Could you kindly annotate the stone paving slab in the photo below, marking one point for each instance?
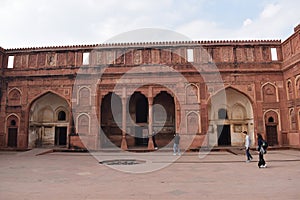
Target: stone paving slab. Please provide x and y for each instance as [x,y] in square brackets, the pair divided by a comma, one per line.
[219,175]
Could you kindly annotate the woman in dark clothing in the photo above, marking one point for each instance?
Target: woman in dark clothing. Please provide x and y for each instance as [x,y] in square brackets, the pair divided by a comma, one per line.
[261,162]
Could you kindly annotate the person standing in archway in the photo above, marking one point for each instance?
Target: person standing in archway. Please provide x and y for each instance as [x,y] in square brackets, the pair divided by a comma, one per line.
[247,146]
[176,148]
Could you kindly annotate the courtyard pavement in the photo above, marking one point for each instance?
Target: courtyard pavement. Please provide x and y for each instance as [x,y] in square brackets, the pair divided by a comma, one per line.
[208,175]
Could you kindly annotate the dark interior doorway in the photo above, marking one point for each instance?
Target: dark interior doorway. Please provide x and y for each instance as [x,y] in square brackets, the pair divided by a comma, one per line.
[224,138]
[60,135]
[272,135]
[141,110]
[12,137]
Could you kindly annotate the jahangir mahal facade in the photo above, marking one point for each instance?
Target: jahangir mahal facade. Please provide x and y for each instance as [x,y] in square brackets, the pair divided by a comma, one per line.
[136,95]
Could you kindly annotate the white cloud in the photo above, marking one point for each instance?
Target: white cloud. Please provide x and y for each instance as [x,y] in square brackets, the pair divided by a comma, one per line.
[270,10]
[247,22]
[276,21]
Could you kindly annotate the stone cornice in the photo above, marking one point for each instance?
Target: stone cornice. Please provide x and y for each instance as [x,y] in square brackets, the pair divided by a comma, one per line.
[148,45]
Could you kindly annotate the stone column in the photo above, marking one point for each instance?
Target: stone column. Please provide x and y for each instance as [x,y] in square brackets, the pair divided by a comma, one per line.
[150,126]
[99,122]
[124,120]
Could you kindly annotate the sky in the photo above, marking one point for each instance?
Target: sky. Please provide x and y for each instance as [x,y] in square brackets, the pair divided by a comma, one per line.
[39,23]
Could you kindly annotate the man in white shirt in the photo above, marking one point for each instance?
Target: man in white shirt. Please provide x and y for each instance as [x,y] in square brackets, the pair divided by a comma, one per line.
[247,146]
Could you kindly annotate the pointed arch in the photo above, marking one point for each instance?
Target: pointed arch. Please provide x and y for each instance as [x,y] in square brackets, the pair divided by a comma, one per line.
[289,89]
[193,122]
[84,96]
[61,114]
[15,89]
[221,99]
[238,112]
[14,115]
[83,125]
[14,96]
[222,91]
[269,92]
[292,118]
[45,93]
[274,113]
[192,93]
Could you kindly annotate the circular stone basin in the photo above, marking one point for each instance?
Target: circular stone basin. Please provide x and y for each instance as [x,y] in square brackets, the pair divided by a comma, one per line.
[122,162]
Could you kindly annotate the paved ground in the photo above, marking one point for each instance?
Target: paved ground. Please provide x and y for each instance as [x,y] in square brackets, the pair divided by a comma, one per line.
[218,175]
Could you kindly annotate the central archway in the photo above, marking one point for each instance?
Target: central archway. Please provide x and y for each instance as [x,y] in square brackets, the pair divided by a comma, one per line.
[138,110]
[229,119]
[137,120]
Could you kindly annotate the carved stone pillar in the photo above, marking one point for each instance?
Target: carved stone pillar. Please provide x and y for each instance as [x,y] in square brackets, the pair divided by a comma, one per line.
[150,126]
[124,120]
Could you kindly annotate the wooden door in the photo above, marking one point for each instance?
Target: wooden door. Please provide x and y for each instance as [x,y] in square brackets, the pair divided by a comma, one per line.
[12,137]
[272,135]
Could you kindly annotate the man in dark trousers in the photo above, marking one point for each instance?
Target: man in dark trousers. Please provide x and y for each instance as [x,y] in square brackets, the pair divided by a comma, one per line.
[247,146]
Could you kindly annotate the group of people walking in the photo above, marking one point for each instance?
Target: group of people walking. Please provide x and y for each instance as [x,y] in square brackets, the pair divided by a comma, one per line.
[262,149]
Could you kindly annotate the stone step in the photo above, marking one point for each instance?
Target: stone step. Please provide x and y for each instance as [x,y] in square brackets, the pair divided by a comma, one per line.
[36,152]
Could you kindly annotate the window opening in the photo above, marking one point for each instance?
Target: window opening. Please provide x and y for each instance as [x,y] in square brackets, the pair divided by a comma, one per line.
[190,55]
[274,54]
[10,64]
[61,116]
[271,119]
[86,58]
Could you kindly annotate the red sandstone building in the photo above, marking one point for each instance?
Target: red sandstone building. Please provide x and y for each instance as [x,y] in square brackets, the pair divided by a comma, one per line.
[100,96]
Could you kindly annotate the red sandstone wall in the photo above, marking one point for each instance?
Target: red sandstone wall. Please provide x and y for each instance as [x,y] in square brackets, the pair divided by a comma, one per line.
[244,65]
[291,72]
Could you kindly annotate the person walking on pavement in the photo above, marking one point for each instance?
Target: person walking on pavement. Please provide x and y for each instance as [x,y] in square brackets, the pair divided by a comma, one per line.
[261,151]
[247,146]
[176,148]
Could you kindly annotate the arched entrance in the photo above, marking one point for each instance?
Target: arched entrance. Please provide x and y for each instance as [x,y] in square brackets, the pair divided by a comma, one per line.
[48,121]
[111,119]
[228,119]
[12,124]
[138,110]
[163,118]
